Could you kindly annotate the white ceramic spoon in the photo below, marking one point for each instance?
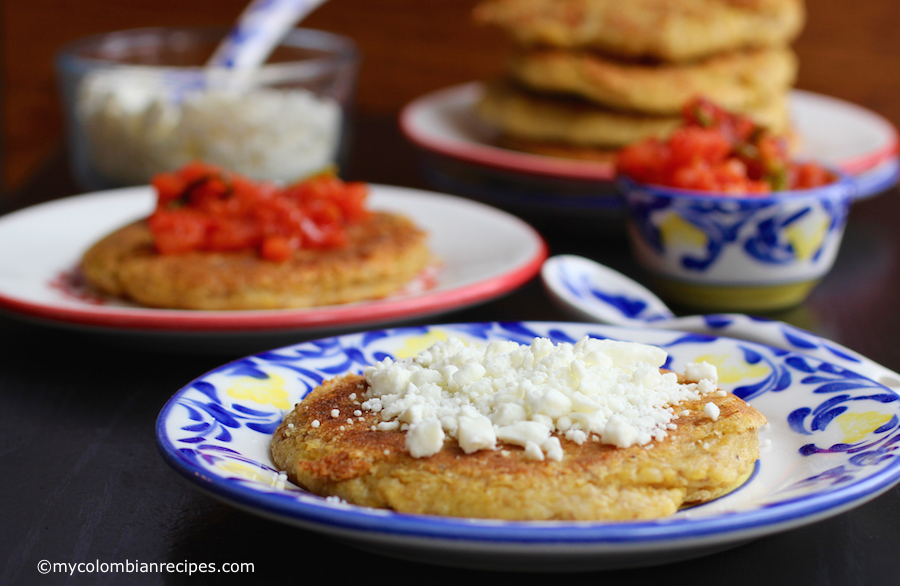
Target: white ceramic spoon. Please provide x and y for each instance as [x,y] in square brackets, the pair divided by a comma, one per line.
[598,293]
[260,27]
[258,30]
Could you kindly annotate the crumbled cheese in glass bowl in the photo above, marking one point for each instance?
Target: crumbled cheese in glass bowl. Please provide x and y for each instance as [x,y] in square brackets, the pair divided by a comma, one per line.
[140,102]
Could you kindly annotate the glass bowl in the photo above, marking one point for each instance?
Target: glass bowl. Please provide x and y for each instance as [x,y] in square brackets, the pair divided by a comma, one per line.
[725,252]
[139,102]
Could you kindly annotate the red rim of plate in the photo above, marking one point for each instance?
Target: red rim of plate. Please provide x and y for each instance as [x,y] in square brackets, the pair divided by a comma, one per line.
[495,157]
[287,319]
[419,304]
[867,161]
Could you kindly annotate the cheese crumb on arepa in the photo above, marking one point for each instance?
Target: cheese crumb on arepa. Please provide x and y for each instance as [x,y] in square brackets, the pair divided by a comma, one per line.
[522,394]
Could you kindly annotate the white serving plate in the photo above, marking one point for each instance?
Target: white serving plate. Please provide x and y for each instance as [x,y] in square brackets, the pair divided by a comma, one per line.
[482,252]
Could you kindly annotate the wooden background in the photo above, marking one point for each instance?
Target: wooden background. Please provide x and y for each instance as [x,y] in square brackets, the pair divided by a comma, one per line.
[849,50]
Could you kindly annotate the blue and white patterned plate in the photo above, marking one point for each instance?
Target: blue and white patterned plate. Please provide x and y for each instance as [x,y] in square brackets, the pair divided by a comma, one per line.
[830,445]
[594,292]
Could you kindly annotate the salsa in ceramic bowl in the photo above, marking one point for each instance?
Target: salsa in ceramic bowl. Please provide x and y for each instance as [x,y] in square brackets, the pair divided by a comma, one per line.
[724,220]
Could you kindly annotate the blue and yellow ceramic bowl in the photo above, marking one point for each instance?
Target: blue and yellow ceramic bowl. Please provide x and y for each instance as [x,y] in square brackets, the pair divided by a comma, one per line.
[736,253]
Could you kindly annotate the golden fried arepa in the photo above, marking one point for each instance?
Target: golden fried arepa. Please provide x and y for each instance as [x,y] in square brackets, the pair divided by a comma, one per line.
[529,117]
[343,456]
[739,81]
[384,253]
[668,30]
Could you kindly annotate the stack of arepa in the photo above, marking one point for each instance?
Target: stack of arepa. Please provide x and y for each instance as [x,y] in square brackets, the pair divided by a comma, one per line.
[589,76]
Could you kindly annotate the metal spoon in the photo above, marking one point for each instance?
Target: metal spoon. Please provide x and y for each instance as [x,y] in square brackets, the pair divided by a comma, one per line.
[595,292]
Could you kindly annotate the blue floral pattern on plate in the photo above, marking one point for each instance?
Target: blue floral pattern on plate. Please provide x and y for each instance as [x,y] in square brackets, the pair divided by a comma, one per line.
[831,444]
[757,226]
[599,293]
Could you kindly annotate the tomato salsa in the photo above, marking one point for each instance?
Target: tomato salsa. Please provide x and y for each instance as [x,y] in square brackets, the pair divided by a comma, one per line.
[715,150]
[205,208]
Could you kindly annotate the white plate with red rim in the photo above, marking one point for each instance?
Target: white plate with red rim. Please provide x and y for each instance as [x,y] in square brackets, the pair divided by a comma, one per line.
[832,131]
[482,253]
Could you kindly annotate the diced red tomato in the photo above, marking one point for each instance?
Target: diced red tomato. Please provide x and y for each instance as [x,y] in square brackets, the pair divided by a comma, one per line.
[168,188]
[718,151]
[692,143]
[277,248]
[176,232]
[232,234]
[643,161]
[809,175]
[202,207]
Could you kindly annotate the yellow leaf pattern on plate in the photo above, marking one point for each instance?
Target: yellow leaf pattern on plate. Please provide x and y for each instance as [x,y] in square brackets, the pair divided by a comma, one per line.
[244,471]
[267,391]
[805,238]
[676,231]
[732,370]
[856,426]
[416,344]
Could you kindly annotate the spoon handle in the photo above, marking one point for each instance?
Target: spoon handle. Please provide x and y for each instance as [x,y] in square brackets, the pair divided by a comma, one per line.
[261,26]
[785,336]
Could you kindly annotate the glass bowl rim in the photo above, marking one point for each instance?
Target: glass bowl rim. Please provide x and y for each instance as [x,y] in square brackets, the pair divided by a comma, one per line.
[341,50]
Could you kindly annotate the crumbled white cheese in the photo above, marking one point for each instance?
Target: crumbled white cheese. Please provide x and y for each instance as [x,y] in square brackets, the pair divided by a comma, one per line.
[711,410]
[697,371]
[425,438]
[315,423]
[522,432]
[475,433]
[533,451]
[137,126]
[279,480]
[553,448]
[575,435]
[522,394]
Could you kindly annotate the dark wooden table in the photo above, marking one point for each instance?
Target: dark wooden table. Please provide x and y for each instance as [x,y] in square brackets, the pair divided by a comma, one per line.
[82,480]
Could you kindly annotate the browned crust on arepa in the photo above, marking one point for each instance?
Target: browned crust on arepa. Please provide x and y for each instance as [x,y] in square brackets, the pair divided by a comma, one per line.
[385,252]
[739,81]
[529,117]
[669,30]
[700,460]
